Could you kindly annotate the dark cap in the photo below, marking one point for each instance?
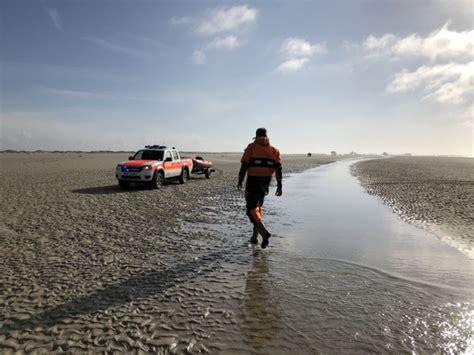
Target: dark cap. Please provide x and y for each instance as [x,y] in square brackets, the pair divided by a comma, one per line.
[261,132]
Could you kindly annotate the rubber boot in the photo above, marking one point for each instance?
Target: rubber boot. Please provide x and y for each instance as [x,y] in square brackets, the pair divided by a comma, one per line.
[264,233]
[254,239]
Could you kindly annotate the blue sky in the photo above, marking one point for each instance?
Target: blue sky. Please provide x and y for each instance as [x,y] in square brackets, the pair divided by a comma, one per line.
[368,76]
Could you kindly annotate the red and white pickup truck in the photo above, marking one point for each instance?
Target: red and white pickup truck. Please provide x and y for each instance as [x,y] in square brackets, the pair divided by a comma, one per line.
[153,165]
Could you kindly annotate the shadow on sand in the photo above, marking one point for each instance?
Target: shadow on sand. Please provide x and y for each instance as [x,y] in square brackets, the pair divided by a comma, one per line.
[143,285]
[114,189]
[110,189]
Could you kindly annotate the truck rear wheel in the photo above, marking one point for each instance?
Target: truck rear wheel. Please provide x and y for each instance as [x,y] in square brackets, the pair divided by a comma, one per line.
[158,180]
[184,176]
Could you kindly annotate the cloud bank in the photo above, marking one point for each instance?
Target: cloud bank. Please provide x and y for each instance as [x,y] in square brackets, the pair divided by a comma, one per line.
[439,44]
[447,73]
[449,83]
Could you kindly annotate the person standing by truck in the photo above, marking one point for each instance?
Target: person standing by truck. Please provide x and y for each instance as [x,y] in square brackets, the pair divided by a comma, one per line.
[260,161]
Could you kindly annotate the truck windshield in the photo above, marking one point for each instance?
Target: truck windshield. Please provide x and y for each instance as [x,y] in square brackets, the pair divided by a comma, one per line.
[148,155]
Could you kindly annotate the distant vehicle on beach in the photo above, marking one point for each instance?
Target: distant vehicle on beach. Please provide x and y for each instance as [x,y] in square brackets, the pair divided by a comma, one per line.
[152,166]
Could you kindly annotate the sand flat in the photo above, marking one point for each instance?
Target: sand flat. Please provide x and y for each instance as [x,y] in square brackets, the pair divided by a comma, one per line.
[88,267]
[435,193]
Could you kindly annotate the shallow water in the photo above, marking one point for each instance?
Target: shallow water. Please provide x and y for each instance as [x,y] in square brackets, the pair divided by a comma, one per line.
[344,273]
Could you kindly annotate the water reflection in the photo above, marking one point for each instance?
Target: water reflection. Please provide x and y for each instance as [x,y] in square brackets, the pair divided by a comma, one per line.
[261,313]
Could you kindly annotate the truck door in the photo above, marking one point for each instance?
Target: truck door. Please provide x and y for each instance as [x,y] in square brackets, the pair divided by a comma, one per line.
[168,165]
[176,163]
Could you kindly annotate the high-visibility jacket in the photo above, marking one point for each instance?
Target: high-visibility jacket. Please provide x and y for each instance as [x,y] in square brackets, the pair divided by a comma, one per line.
[262,158]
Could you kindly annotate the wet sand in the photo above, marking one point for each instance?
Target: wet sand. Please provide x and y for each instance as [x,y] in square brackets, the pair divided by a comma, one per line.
[435,193]
[88,267]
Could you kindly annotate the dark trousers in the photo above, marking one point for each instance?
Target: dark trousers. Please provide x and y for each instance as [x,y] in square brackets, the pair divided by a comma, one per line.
[256,189]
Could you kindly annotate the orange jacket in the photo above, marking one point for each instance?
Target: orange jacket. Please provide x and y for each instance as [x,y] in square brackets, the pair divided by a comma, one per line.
[262,158]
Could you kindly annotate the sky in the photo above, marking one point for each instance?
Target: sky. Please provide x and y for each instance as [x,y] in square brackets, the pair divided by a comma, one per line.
[348,75]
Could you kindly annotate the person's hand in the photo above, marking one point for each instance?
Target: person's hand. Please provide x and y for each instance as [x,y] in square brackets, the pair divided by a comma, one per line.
[279,191]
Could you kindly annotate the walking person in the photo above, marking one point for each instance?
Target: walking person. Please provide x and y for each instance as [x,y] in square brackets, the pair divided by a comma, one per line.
[260,161]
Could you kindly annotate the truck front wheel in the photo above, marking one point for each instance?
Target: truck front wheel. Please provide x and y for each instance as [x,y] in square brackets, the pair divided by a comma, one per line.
[158,180]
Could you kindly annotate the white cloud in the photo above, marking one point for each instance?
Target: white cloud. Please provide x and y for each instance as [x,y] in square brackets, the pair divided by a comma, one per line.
[55,17]
[228,42]
[448,72]
[226,19]
[199,56]
[379,46]
[75,94]
[217,22]
[439,44]
[298,47]
[448,83]
[297,52]
[292,65]
[114,47]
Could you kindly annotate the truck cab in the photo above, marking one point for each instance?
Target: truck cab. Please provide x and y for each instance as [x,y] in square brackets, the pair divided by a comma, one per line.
[172,163]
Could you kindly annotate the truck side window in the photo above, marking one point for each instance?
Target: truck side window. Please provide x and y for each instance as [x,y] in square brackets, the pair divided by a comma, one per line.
[175,155]
[138,155]
[167,155]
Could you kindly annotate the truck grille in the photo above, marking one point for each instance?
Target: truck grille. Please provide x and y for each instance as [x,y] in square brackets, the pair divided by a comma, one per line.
[132,169]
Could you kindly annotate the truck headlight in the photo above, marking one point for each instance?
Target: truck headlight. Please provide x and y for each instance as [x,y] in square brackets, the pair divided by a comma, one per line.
[146,167]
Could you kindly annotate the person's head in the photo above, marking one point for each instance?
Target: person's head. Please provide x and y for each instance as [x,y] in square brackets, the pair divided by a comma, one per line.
[261,132]
[261,136]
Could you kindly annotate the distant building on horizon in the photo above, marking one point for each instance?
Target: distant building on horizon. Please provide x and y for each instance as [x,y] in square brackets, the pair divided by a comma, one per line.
[333,153]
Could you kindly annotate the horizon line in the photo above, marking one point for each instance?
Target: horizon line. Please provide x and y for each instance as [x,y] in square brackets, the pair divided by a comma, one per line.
[16,151]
